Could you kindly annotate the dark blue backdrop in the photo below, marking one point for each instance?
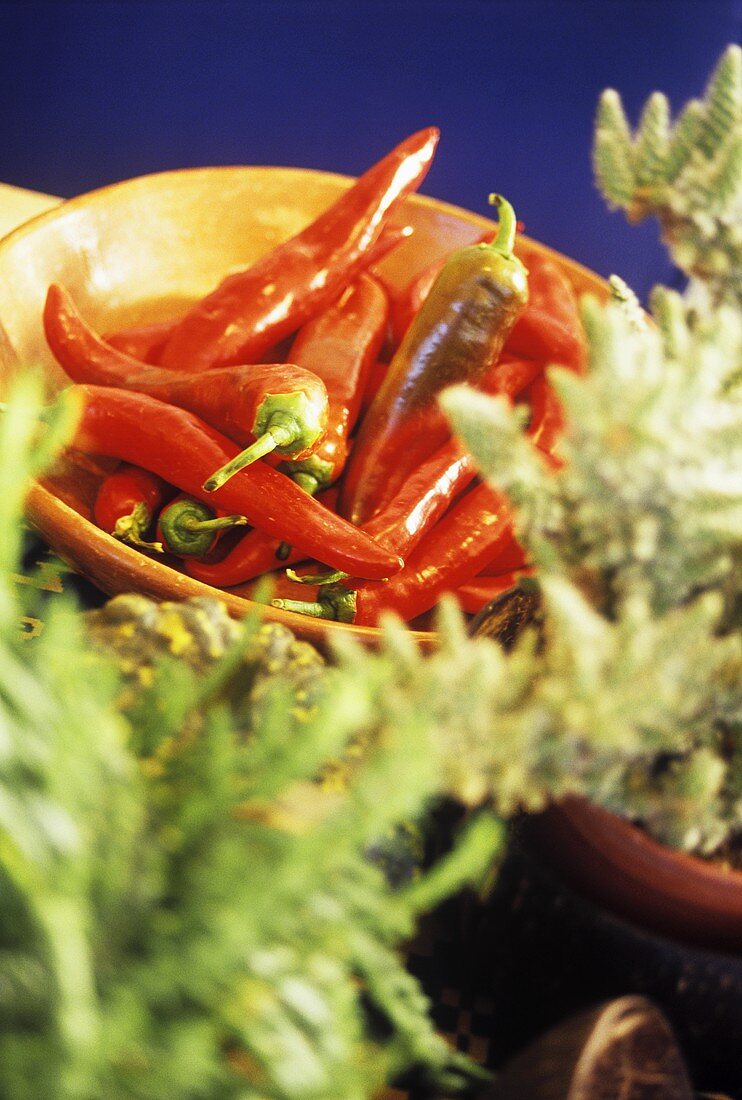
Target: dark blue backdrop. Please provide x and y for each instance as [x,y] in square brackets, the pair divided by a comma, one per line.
[92,92]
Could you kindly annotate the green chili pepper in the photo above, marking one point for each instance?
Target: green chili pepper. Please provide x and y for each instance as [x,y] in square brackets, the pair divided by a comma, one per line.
[456,337]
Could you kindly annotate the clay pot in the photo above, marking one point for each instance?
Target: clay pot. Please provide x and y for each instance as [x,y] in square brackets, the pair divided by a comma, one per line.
[619,866]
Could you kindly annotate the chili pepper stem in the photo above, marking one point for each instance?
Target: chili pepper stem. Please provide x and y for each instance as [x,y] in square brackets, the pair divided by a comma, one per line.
[128,529]
[219,523]
[188,527]
[313,608]
[506,225]
[282,432]
[124,534]
[337,603]
[317,578]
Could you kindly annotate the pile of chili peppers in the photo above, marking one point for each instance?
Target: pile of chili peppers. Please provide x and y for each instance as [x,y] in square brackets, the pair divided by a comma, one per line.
[291,416]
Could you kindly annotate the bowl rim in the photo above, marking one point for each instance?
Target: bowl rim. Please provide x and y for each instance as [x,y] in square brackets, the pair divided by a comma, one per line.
[46,511]
[622,866]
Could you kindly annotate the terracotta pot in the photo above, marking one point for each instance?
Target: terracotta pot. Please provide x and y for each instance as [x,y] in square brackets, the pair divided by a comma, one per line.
[627,872]
[140,251]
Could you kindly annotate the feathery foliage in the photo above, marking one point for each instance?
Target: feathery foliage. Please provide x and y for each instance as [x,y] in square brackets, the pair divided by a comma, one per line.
[687,174]
[186,911]
[638,537]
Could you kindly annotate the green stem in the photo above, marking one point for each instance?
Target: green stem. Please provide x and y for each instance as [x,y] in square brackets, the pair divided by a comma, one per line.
[280,433]
[313,608]
[188,527]
[317,578]
[219,523]
[507,225]
[131,528]
[336,603]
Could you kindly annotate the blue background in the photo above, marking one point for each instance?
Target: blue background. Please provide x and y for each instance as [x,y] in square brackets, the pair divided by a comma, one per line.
[93,92]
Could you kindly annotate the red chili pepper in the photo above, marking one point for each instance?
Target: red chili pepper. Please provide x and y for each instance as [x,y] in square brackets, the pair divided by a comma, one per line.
[547,417]
[473,595]
[422,500]
[430,489]
[253,309]
[510,377]
[256,553]
[181,448]
[339,345]
[283,405]
[188,527]
[142,342]
[549,328]
[507,560]
[453,552]
[456,337]
[146,342]
[127,502]
[376,375]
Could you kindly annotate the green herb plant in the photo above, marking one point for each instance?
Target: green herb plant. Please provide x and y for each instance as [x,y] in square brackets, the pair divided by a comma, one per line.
[638,538]
[186,908]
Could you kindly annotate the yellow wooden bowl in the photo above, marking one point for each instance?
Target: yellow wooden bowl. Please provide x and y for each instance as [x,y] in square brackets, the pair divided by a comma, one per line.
[142,250]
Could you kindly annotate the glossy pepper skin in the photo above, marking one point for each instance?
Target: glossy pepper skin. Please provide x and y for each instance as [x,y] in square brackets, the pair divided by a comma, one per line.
[339,345]
[146,342]
[549,328]
[439,479]
[547,419]
[473,595]
[253,309]
[456,337]
[242,402]
[406,303]
[142,342]
[453,552]
[182,449]
[126,504]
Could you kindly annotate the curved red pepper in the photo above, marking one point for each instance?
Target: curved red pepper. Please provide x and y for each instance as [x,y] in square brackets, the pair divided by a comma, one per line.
[142,342]
[253,309]
[508,559]
[182,449]
[376,375]
[242,402]
[339,345]
[547,417]
[473,595]
[454,551]
[147,341]
[549,328]
[422,500]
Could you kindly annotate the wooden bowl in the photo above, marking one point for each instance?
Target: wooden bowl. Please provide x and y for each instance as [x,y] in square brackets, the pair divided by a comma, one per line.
[142,250]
